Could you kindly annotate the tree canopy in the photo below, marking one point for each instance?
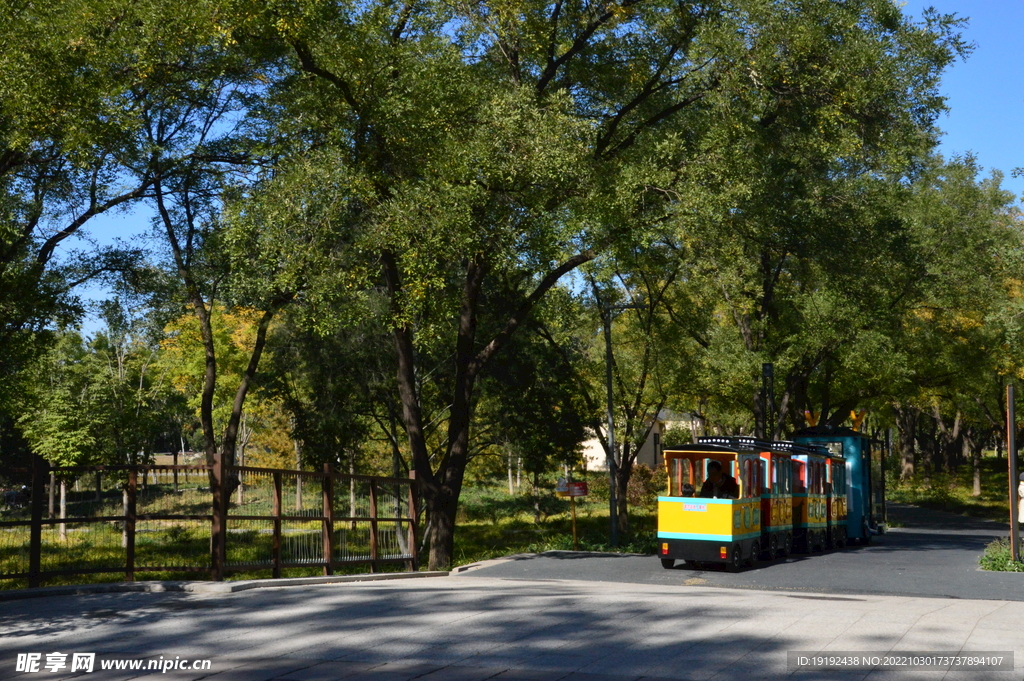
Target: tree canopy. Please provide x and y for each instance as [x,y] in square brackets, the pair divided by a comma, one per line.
[392,233]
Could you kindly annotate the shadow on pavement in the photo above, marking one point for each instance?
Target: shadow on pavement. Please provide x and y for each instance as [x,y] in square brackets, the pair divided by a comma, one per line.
[932,554]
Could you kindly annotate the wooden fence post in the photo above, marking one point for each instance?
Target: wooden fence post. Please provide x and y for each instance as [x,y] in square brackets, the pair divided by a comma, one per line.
[40,472]
[129,525]
[373,526]
[175,472]
[413,564]
[277,523]
[218,527]
[328,490]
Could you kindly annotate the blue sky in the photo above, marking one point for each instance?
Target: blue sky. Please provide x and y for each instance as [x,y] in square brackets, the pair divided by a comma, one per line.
[985,95]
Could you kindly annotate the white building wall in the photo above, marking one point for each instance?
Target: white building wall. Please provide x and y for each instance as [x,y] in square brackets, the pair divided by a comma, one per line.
[651,451]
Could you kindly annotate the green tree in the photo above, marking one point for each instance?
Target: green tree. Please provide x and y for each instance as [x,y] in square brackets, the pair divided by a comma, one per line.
[492,147]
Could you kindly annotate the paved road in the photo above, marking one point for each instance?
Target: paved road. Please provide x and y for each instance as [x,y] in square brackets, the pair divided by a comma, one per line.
[932,554]
[564,617]
[471,629]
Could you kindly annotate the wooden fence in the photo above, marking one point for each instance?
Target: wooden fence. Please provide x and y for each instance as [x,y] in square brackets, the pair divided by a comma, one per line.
[160,518]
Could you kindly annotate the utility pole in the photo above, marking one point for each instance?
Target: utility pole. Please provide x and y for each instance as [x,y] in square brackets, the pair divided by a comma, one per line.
[1011,458]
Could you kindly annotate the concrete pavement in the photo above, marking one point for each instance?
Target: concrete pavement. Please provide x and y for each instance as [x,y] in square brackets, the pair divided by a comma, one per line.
[470,628]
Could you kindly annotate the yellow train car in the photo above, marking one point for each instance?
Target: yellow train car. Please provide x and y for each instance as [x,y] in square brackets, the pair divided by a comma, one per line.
[810,503]
[776,503]
[835,492]
[712,508]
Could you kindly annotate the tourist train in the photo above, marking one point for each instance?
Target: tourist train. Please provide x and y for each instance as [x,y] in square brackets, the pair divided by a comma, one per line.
[739,500]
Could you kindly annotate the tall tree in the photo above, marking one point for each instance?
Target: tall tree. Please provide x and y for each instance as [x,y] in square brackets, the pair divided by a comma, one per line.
[488,145]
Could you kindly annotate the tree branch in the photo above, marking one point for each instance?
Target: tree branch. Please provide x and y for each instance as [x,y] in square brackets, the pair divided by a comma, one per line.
[520,315]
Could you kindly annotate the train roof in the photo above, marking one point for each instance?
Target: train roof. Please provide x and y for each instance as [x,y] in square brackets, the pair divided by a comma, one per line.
[734,444]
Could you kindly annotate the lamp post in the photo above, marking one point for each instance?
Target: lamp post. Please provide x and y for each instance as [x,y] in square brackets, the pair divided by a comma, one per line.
[612,463]
[767,401]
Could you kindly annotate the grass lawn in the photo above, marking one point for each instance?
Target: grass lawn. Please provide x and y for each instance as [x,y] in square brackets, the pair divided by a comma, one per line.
[953,492]
[492,523]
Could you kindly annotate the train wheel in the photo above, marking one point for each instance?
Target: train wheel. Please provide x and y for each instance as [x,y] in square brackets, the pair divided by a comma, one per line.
[668,563]
[787,544]
[735,559]
[841,539]
[755,554]
[813,542]
[773,547]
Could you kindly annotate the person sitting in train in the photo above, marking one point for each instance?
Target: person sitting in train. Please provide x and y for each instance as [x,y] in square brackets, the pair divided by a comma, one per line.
[719,485]
[687,490]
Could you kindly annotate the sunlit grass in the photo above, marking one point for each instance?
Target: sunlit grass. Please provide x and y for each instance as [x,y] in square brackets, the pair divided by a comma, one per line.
[492,523]
[953,492]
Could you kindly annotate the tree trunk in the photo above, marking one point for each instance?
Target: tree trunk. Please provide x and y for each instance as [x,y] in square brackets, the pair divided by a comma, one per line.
[536,498]
[511,490]
[203,310]
[440,489]
[622,475]
[906,424]
[63,510]
[976,465]
[442,508]
[124,512]
[352,490]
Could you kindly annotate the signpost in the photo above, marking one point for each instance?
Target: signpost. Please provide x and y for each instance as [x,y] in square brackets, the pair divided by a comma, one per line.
[571,489]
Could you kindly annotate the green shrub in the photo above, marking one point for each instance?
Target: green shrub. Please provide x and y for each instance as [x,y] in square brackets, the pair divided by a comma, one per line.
[645,484]
[997,558]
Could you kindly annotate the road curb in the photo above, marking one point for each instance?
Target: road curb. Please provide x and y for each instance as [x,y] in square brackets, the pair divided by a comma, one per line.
[206,587]
[462,569]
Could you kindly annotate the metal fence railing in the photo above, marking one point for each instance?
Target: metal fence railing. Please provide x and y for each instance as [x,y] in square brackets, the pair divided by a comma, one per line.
[215,519]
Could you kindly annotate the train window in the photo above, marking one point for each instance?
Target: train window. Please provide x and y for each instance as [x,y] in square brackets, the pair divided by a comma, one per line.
[763,475]
[749,479]
[799,481]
